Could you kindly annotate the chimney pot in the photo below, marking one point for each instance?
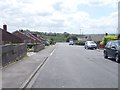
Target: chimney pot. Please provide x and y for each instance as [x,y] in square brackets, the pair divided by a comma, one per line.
[5,27]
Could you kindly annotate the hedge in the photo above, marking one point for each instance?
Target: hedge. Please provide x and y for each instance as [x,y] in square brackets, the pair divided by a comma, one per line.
[107,39]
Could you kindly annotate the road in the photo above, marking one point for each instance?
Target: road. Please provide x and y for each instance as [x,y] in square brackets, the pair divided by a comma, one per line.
[74,67]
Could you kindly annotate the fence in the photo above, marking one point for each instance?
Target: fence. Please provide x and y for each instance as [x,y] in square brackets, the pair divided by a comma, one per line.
[11,53]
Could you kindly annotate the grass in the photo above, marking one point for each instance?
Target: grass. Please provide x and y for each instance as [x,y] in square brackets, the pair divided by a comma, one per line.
[57,38]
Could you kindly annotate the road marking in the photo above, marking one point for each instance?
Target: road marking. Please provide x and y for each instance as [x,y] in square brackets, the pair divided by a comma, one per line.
[30,81]
[52,52]
[30,84]
[26,83]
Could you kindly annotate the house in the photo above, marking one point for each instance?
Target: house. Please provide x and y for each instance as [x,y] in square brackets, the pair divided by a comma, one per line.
[7,37]
[37,40]
[39,37]
[28,37]
[96,38]
[25,38]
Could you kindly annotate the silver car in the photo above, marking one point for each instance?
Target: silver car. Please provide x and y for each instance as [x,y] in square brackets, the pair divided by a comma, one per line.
[90,45]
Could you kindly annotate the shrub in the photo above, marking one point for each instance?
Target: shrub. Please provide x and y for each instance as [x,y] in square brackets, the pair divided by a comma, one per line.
[79,43]
[107,39]
[74,38]
[101,43]
[30,45]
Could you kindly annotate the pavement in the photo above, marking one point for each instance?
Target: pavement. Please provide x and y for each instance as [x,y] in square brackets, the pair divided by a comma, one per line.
[19,73]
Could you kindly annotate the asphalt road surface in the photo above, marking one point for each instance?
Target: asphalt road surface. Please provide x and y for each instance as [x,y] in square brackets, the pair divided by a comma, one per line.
[75,67]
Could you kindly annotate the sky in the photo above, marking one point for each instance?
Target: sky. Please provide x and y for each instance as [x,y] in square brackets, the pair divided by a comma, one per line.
[72,16]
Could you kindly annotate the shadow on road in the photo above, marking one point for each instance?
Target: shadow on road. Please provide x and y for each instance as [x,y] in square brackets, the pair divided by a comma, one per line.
[112,59]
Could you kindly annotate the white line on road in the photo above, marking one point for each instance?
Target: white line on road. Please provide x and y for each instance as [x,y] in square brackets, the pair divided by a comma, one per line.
[52,52]
[30,81]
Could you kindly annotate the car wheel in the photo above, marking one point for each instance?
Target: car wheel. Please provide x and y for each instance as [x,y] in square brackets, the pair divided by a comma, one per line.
[105,55]
[94,48]
[87,47]
[117,59]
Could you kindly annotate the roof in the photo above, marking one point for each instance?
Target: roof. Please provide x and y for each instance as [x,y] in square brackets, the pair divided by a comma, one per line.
[32,36]
[9,37]
[27,35]
[96,37]
[23,36]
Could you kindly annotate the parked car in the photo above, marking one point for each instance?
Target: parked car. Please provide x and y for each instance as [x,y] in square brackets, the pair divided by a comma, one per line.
[46,43]
[90,45]
[112,49]
[71,42]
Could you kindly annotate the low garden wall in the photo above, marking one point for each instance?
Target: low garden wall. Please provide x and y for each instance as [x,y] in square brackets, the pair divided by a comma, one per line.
[11,53]
[38,47]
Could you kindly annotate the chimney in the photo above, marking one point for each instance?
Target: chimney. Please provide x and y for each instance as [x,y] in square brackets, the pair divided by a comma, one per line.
[21,30]
[35,34]
[5,27]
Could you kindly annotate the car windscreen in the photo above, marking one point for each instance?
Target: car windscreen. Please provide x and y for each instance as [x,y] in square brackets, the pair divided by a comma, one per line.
[92,42]
[117,43]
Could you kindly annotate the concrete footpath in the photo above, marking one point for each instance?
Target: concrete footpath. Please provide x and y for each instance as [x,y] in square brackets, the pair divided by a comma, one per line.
[16,74]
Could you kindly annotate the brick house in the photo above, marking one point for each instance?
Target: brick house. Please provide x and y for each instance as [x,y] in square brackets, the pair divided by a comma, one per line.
[25,38]
[28,37]
[96,38]
[7,37]
[37,40]
[39,37]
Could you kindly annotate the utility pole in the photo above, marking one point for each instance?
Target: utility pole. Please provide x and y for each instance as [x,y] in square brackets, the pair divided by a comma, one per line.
[80,31]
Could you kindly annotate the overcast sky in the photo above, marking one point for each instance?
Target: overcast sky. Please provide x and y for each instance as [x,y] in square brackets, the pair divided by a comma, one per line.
[91,16]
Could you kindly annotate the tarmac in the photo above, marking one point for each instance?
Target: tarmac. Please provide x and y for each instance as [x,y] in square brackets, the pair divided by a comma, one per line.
[18,74]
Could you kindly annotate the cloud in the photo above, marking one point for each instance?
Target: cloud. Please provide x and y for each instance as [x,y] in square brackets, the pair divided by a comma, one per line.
[57,15]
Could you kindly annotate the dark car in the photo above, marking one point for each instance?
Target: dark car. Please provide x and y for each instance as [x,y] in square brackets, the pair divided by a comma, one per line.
[112,49]
[46,43]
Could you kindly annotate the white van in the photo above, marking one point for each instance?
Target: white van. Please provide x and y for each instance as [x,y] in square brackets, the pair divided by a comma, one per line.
[71,42]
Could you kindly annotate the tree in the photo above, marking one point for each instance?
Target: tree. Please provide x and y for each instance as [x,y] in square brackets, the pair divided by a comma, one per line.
[66,34]
[74,38]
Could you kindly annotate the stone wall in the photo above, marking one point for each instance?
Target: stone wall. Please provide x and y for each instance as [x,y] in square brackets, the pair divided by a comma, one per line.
[0,56]
[0,37]
[38,47]
[11,53]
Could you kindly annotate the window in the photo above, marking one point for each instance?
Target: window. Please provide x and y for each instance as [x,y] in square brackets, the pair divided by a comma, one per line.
[108,45]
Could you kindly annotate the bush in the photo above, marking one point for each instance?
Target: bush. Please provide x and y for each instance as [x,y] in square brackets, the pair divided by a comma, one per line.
[30,45]
[102,43]
[74,38]
[79,43]
[108,38]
